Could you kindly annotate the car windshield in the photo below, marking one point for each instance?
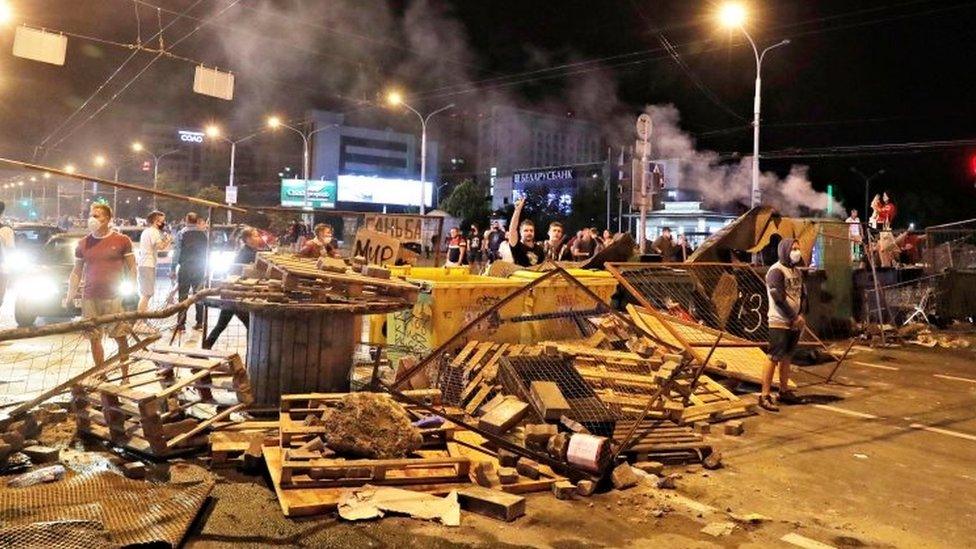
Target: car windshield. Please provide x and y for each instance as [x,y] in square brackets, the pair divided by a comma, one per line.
[60,251]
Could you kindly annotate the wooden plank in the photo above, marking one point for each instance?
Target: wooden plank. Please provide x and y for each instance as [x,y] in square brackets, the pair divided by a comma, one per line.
[462,356]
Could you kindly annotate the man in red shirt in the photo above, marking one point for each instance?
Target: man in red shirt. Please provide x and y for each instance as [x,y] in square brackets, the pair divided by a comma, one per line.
[101,259]
[322,245]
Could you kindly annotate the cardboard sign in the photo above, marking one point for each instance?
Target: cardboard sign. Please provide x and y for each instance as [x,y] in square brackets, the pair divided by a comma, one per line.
[376,247]
[402,228]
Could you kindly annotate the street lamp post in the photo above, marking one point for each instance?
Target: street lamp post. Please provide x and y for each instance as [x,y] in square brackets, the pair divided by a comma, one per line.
[396,99]
[214,133]
[734,16]
[101,161]
[275,122]
[138,147]
[867,187]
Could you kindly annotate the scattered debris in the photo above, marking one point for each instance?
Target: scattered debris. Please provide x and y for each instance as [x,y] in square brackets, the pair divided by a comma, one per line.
[370,425]
[563,489]
[713,460]
[734,428]
[370,502]
[652,467]
[718,529]
[585,488]
[623,477]
[491,503]
[38,476]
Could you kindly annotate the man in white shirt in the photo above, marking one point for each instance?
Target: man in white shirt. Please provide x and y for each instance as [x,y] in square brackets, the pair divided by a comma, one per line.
[7,241]
[151,240]
[854,230]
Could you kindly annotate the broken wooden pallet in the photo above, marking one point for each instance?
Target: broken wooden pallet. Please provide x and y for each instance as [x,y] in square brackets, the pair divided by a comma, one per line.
[304,470]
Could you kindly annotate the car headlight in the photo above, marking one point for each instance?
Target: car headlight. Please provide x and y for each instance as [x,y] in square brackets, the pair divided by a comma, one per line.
[221,261]
[37,288]
[127,288]
[17,261]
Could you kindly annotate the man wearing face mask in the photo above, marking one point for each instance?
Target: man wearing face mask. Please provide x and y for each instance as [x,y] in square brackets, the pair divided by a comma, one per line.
[322,245]
[787,300]
[151,240]
[102,258]
[251,244]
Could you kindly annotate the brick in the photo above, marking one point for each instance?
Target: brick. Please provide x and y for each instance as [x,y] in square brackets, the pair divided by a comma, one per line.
[484,474]
[537,435]
[623,477]
[702,427]
[504,417]
[507,475]
[42,454]
[573,425]
[651,467]
[528,468]
[558,445]
[713,461]
[331,264]
[134,470]
[491,503]
[507,458]
[585,488]
[376,271]
[563,489]
[549,400]
[734,428]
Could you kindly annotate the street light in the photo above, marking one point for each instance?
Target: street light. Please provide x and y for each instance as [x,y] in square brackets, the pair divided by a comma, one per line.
[213,132]
[733,16]
[101,161]
[275,122]
[395,99]
[6,12]
[139,148]
[867,187]
[69,168]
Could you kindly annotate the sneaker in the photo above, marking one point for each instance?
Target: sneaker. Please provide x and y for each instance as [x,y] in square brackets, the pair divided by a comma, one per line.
[766,403]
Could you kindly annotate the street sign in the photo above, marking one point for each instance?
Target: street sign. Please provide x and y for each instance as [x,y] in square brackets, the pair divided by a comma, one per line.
[230,195]
[40,45]
[644,126]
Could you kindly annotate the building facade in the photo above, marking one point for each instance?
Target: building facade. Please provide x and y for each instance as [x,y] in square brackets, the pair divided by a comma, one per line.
[519,148]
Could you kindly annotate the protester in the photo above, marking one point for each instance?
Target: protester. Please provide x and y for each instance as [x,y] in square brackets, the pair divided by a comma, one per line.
[555,248]
[474,245]
[323,245]
[595,235]
[526,252]
[664,246]
[493,239]
[584,247]
[787,300]
[682,249]
[151,241]
[607,237]
[886,214]
[7,243]
[190,266]
[854,232]
[456,248]
[251,244]
[102,258]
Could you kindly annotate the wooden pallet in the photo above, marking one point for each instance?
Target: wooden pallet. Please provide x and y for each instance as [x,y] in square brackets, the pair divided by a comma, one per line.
[302,273]
[305,470]
[167,400]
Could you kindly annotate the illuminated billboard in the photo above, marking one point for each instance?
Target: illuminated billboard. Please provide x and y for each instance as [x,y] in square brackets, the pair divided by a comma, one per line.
[382,190]
[321,194]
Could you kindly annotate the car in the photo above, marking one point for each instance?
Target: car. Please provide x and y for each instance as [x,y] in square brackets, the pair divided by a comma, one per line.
[41,288]
[164,258]
[28,239]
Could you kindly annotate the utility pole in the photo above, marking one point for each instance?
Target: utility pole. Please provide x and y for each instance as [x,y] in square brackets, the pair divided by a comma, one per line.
[644,129]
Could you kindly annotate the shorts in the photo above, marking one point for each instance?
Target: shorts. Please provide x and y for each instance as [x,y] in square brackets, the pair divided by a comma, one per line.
[147,281]
[91,308]
[782,343]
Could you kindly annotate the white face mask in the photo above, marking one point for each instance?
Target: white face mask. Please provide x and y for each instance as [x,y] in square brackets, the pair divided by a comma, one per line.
[795,256]
[94,224]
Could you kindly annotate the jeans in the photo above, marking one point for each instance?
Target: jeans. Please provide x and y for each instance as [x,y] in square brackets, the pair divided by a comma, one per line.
[190,280]
[222,321]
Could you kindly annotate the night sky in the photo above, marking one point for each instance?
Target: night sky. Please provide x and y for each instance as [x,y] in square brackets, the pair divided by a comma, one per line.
[856,73]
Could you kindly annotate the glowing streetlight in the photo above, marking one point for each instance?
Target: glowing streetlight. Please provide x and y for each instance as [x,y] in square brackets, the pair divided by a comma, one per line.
[394,98]
[212,131]
[99,160]
[20,183]
[732,15]
[33,179]
[274,122]
[69,168]
[137,147]
[47,175]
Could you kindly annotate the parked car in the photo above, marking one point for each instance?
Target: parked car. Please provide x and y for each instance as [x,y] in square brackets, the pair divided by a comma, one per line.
[42,286]
[164,258]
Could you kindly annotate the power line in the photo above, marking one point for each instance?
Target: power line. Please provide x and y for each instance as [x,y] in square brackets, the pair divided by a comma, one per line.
[910,147]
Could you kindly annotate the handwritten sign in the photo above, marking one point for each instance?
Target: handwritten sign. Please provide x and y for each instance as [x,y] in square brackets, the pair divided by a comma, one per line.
[402,228]
[378,248]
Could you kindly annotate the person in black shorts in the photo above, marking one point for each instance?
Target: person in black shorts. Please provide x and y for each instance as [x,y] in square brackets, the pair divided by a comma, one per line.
[787,301]
[526,252]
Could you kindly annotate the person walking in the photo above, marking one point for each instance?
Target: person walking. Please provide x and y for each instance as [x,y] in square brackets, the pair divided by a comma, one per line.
[151,241]
[251,244]
[190,267]
[102,259]
[787,301]
[664,246]
[7,244]
[526,252]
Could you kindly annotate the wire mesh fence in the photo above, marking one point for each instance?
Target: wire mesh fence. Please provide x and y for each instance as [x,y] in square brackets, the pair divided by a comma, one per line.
[905,302]
[951,246]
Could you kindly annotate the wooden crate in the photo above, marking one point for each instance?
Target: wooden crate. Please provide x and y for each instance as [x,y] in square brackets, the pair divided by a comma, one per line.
[165,402]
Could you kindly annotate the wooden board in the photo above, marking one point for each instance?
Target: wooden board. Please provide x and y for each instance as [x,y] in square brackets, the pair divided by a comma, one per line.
[469,444]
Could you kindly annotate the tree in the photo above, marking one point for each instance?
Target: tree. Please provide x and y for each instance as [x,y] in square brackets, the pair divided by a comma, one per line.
[212,193]
[468,202]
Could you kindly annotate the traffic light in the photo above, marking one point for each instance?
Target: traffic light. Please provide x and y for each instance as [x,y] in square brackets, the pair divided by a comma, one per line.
[972,165]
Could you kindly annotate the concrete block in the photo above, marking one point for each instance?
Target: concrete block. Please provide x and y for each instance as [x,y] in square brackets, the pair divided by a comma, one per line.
[585,488]
[651,467]
[507,458]
[537,435]
[42,454]
[503,417]
[563,489]
[491,503]
[548,399]
[734,428]
[508,475]
[702,427]
[376,272]
[528,468]
[623,477]
[713,461]
[484,474]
